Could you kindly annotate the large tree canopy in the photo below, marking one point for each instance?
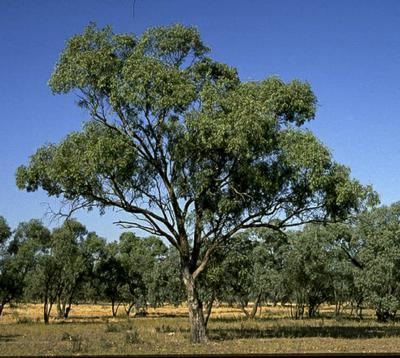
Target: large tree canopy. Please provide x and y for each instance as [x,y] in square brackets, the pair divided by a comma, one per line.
[180,142]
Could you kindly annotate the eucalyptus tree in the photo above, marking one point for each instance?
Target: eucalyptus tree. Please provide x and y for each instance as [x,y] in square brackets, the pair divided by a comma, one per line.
[166,285]
[109,277]
[137,257]
[246,269]
[10,286]
[306,277]
[134,261]
[94,249]
[58,266]
[43,283]
[231,275]
[341,275]
[188,150]
[345,265]
[31,244]
[378,231]
[11,281]
[5,231]
[269,263]
[66,247]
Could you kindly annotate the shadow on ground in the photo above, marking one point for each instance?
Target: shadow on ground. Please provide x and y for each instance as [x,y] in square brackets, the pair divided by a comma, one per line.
[302,332]
[9,338]
[239,318]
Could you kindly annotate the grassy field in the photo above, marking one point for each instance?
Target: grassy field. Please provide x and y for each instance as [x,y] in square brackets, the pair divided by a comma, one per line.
[92,330]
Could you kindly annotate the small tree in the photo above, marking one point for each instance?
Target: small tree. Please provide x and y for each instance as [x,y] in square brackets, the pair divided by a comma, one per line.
[166,285]
[93,251]
[191,152]
[268,263]
[378,230]
[348,245]
[110,277]
[29,243]
[5,231]
[10,281]
[306,276]
[66,246]
[57,265]
[136,262]
[231,277]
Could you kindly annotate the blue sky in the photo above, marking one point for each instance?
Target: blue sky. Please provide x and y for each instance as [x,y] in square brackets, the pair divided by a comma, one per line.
[348,50]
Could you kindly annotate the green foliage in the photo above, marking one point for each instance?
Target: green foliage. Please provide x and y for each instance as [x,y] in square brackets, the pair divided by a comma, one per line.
[248,269]
[110,276]
[11,279]
[138,262]
[380,257]
[112,328]
[231,276]
[233,148]
[268,261]
[57,264]
[17,259]
[5,231]
[10,283]
[306,277]
[132,336]
[165,284]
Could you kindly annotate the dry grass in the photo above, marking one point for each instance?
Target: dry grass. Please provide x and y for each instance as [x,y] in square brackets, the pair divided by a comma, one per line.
[92,330]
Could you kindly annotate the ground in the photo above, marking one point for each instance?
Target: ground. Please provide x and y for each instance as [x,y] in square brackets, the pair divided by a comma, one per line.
[92,330]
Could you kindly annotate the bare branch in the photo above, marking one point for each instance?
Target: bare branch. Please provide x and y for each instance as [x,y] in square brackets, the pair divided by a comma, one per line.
[149,229]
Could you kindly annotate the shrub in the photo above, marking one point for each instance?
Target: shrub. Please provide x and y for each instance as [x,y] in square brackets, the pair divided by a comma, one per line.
[105,343]
[24,320]
[66,337]
[165,329]
[77,343]
[132,336]
[110,327]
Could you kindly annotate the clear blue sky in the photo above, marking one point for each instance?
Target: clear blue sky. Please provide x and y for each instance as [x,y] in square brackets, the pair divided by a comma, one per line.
[348,50]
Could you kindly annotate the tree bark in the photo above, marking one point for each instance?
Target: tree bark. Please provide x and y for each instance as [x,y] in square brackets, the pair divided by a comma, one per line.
[128,308]
[253,312]
[195,307]
[46,311]
[242,306]
[113,308]
[63,309]
[67,311]
[209,309]
[1,309]
[359,309]
[60,308]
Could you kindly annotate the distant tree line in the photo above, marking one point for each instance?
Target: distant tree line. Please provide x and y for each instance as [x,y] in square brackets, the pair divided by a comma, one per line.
[352,265]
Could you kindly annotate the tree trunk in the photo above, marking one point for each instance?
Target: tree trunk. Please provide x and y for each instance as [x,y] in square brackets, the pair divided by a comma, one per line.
[195,307]
[243,308]
[67,309]
[60,308]
[128,308]
[46,311]
[299,312]
[113,308]
[359,309]
[253,312]
[208,309]
[63,309]
[1,309]
[337,309]
[66,313]
[60,312]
